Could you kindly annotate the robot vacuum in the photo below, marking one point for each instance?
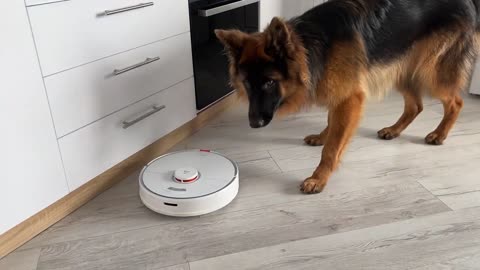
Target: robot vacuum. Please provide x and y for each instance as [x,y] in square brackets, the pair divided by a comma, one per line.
[189,183]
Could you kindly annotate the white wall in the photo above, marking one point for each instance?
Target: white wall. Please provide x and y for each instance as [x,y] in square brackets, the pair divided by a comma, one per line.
[284,8]
[268,10]
[475,86]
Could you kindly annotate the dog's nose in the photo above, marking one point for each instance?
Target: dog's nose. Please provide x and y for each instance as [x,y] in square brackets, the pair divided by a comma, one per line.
[257,123]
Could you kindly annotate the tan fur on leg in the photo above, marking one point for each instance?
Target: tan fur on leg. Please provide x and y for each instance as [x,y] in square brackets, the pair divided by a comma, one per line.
[344,122]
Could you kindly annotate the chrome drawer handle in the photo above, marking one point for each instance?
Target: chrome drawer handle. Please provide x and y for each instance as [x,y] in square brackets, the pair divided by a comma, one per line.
[155,109]
[147,61]
[120,10]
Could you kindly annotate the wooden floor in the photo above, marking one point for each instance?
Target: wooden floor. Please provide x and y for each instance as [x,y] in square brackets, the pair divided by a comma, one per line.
[392,205]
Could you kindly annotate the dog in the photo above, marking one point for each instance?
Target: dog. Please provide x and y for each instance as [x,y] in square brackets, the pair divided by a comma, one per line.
[341,52]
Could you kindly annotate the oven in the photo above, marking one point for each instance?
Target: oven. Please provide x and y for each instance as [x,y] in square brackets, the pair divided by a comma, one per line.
[209,61]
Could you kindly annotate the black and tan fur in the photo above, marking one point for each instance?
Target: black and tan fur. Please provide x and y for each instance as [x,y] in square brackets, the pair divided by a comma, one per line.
[343,51]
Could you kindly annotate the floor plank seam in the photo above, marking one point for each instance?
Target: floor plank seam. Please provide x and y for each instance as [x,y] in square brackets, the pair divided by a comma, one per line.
[253,160]
[161,225]
[412,219]
[321,236]
[275,161]
[437,197]
[46,245]
[38,259]
[459,193]
[286,203]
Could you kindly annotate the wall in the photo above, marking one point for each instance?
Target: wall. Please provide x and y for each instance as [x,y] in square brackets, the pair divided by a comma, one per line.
[282,8]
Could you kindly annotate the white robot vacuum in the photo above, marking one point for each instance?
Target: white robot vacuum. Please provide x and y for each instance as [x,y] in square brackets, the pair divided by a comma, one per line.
[189,183]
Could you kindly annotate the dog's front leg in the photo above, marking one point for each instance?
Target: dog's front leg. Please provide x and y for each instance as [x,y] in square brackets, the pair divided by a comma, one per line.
[344,119]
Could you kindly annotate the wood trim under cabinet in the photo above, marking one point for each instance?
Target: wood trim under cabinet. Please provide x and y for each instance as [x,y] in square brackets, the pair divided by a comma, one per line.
[28,229]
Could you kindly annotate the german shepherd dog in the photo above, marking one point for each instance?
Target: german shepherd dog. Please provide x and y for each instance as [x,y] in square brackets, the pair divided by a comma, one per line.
[343,51]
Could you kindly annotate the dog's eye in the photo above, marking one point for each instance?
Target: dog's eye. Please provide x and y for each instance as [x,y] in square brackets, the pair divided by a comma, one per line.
[268,84]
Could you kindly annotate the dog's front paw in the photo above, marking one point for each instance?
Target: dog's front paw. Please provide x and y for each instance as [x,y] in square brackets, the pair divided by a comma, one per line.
[312,186]
[315,140]
[387,134]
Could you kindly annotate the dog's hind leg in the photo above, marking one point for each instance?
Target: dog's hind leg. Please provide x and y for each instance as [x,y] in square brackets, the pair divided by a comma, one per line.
[452,106]
[451,76]
[413,107]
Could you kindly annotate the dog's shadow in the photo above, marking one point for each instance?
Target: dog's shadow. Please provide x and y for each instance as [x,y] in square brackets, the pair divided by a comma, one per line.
[274,134]
[371,134]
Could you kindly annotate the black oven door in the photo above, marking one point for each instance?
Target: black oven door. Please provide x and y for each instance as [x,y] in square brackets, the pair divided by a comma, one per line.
[209,60]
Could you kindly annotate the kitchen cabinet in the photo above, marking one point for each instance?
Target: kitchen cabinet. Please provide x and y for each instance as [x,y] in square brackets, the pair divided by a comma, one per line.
[85,85]
[32,175]
[91,29]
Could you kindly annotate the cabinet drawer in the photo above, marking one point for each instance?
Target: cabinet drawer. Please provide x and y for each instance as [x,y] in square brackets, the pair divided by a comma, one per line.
[85,94]
[72,33]
[94,149]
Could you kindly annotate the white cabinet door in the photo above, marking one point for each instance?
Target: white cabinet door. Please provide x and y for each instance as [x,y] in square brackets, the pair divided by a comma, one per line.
[32,175]
[282,8]
[475,86]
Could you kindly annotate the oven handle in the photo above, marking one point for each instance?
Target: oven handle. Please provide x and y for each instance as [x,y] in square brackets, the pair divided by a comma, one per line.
[225,8]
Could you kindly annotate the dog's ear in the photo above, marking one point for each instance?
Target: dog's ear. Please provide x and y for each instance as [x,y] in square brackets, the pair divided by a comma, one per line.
[278,39]
[233,40]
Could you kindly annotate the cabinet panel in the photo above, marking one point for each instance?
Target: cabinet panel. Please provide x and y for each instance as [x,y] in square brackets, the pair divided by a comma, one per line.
[31,168]
[95,148]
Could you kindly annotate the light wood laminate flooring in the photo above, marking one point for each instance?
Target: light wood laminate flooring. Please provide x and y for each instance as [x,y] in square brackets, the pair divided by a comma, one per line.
[396,204]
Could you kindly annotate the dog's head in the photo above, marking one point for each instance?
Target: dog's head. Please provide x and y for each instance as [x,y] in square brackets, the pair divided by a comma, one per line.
[268,68]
